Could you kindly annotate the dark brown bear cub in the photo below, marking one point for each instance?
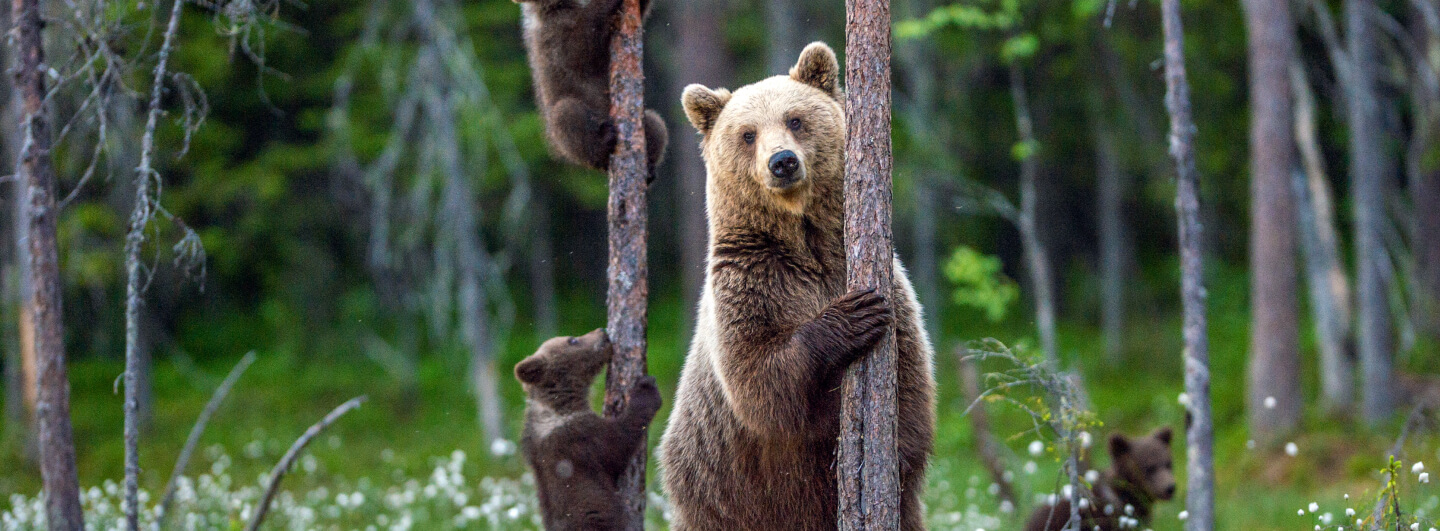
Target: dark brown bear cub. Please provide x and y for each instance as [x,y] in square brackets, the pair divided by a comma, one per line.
[1140,474]
[578,456]
[569,46]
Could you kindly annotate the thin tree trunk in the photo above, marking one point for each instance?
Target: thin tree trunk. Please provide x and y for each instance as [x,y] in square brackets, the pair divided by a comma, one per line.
[629,288]
[1035,254]
[917,56]
[1273,401]
[985,443]
[1424,169]
[1369,168]
[783,25]
[143,210]
[542,268]
[52,407]
[703,59]
[1112,184]
[1200,460]
[1329,286]
[867,459]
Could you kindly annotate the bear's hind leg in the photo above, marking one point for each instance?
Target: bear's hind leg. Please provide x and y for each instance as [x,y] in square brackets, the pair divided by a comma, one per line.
[581,135]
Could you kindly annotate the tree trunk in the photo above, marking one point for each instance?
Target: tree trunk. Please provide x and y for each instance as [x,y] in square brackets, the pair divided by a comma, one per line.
[1369,168]
[867,458]
[1424,169]
[542,268]
[52,407]
[704,60]
[629,289]
[1199,438]
[1273,400]
[1329,286]
[1035,254]
[917,56]
[1114,249]
[783,25]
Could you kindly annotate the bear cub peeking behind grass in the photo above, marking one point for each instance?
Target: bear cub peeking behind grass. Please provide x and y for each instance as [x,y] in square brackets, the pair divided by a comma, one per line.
[1140,474]
[578,456]
[568,42]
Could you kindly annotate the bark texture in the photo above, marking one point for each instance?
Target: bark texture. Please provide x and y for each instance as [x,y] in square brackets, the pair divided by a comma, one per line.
[1199,438]
[52,405]
[629,288]
[1369,169]
[868,462]
[1273,401]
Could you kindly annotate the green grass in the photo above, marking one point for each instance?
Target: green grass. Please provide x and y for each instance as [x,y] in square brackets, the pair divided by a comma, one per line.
[399,431]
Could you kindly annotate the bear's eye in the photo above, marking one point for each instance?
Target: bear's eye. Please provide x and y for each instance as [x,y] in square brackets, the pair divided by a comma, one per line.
[573,341]
[749,137]
[794,124]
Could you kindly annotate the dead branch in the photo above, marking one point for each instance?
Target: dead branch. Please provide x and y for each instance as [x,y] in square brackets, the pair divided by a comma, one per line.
[194,439]
[278,473]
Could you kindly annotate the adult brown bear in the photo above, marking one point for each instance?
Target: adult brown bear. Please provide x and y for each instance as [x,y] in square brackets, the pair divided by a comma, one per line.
[751,440]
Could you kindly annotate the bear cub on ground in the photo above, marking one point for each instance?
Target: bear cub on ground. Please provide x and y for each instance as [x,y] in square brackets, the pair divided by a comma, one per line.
[568,42]
[1139,475]
[577,455]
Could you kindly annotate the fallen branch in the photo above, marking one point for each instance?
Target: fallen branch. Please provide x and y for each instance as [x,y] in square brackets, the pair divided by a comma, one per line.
[278,473]
[194,438]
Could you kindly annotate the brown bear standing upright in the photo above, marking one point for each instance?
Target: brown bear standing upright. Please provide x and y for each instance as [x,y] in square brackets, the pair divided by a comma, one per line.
[1140,473]
[578,456]
[568,42]
[751,440]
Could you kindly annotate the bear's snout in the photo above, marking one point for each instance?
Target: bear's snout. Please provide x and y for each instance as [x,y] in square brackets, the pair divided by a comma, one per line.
[785,168]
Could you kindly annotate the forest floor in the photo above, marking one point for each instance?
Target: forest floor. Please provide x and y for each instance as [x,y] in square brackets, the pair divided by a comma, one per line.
[407,433]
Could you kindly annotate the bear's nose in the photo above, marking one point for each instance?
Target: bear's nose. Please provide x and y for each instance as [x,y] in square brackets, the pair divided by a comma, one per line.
[784,164]
[1170,492]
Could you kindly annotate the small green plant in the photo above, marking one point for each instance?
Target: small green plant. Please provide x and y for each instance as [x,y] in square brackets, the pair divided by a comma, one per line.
[979,283]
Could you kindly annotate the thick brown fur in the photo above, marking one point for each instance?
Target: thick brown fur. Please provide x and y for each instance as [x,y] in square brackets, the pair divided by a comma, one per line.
[1140,474]
[578,456]
[568,42]
[750,444]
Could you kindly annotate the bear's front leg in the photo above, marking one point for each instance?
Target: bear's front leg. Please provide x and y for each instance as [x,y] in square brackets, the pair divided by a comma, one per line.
[623,434]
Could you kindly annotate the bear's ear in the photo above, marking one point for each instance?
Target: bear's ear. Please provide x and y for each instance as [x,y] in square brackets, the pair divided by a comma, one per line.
[531,371]
[1119,446]
[818,68]
[1163,435]
[703,106]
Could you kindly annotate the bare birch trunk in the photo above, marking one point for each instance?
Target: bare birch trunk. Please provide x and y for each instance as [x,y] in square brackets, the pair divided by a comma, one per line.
[703,59]
[782,24]
[1424,168]
[1112,184]
[867,458]
[52,407]
[629,288]
[917,57]
[1035,254]
[1369,168]
[1273,402]
[1329,286]
[1199,438]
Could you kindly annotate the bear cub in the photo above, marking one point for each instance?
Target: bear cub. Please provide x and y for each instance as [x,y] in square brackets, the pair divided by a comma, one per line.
[568,42]
[1139,475]
[577,455]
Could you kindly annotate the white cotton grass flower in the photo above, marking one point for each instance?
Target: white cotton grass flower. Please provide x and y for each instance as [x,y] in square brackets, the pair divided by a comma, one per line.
[1183,399]
[1314,507]
[502,448]
[1086,440]
[1327,518]
[1030,467]
[1036,448]
[1424,477]
[1269,402]
[1349,512]
[1415,526]
[1092,476]
[1184,515]
[1418,467]
[1291,449]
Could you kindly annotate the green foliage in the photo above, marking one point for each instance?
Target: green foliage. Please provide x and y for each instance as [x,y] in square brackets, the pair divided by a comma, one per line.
[979,283]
